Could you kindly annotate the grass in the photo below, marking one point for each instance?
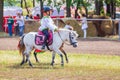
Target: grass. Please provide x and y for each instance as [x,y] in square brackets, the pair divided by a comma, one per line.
[80,67]
[3,34]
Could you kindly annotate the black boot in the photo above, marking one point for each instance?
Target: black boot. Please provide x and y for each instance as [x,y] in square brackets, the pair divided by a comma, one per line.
[46,38]
[43,47]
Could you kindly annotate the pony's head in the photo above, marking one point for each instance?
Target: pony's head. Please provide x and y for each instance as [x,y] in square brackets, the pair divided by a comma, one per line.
[73,38]
[69,35]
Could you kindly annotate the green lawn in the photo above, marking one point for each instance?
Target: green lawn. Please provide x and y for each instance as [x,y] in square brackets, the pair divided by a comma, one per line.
[80,67]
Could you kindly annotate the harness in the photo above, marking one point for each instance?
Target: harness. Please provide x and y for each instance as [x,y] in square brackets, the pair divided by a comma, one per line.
[64,41]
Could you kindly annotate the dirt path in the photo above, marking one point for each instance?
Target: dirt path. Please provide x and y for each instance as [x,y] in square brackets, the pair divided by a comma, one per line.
[95,46]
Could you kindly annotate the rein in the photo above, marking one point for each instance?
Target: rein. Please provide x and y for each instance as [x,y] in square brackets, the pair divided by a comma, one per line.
[62,39]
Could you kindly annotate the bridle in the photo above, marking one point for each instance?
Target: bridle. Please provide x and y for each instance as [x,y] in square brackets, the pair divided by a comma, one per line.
[69,38]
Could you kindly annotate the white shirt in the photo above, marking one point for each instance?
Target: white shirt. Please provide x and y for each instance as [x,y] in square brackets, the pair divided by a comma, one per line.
[84,23]
[20,20]
[47,22]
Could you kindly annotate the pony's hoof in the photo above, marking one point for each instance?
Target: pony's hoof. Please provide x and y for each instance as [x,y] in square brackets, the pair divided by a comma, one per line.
[30,65]
[37,62]
[26,61]
[52,64]
[67,61]
[22,63]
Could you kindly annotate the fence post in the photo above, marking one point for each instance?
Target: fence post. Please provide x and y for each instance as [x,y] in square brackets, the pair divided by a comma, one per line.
[119,30]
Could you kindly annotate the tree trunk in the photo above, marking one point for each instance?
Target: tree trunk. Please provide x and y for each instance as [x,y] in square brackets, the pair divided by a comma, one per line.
[76,14]
[108,9]
[26,7]
[41,8]
[1,15]
[86,10]
[33,3]
[21,3]
[98,6]
[113,9]
[68,3]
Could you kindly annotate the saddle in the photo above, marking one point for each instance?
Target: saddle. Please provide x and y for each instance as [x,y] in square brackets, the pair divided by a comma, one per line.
[39,38]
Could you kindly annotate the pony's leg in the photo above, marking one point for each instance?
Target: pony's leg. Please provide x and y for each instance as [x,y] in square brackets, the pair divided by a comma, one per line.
[65,55]
[53,57]
[35,55]
[60,53]
[28,50]
[23,61]
[28,58]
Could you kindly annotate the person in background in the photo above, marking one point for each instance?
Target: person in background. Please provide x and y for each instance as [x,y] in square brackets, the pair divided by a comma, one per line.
[47,24]
[67,26]
[30,16]
[16,29]
[84,25]
[10,22]
[37,17]
[20,21]
[27,16]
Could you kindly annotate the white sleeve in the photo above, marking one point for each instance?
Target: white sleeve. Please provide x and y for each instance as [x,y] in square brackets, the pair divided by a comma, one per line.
[50,24]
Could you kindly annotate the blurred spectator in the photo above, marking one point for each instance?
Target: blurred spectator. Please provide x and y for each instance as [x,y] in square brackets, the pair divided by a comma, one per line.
[20,21]
[37,17]
[84,25]
[27,16]
[16,29]
[31,16]
[10,22]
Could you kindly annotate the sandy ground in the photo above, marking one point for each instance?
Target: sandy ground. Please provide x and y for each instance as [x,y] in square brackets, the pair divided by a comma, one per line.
[90,45]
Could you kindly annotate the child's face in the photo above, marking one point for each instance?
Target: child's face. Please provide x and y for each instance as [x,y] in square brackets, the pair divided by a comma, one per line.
[48,13]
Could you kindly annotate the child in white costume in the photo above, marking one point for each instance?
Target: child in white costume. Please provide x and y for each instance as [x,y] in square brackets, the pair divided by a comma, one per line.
[46,24]
[84,25]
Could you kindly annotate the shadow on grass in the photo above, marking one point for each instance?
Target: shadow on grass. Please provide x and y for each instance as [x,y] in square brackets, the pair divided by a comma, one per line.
[35,66]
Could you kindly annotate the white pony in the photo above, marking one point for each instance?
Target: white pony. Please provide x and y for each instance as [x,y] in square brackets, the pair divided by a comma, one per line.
[27,44]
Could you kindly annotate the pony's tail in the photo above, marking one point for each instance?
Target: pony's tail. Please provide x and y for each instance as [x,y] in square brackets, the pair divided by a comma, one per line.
[21,45]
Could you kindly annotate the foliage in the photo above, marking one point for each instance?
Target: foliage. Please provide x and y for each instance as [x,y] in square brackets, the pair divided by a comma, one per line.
[17,3]
[55,3]
[58,4]
[117,3]
[11,2]
[29,4]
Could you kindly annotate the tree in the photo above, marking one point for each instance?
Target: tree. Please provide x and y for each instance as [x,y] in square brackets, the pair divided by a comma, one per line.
[33,3]
[111,8]
[41,8]
[21,3]
[81,3]
[68,4]
[78,5]
[26,6]
[1,14]
[98,6]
